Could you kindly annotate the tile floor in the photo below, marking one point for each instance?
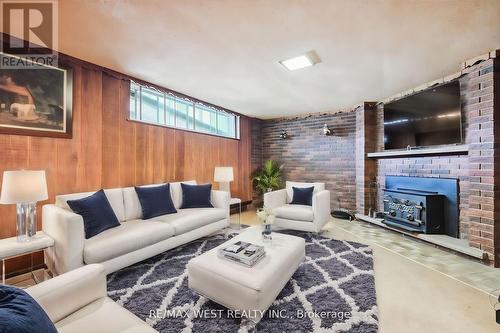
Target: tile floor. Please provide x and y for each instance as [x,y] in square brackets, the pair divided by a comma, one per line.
[421,288]
[464,269]
[456,266]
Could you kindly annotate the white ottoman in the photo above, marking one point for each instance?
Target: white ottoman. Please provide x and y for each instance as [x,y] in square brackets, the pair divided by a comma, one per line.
[249,290]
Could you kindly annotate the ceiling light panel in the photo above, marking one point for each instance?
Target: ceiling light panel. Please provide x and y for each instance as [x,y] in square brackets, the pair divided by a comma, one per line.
[301,61]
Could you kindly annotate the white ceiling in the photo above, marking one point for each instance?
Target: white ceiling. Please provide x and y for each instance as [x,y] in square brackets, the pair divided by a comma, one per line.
[227,52]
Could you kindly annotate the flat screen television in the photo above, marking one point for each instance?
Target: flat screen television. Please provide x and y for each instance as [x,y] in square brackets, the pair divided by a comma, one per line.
[427,118]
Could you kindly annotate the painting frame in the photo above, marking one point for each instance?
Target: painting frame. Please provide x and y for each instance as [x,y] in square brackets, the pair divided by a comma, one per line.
[67,107]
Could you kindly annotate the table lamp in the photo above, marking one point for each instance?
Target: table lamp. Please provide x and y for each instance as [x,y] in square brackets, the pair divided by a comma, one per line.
[24,188]
[224,175]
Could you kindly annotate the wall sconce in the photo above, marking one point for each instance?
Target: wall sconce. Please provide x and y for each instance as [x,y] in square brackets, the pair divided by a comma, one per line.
[283,135]
[326,130]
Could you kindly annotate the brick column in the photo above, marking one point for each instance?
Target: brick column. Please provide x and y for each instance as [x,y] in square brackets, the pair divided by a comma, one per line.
[480,106]
[496,108]
[366,168]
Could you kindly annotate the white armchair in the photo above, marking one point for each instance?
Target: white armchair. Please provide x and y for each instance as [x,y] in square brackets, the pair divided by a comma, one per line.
[299,217]
[77,302]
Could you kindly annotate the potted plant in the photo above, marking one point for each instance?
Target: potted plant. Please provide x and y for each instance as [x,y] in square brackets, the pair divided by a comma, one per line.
[268,177]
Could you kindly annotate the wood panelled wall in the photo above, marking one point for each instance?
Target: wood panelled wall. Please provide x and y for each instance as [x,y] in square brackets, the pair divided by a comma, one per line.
[109,151]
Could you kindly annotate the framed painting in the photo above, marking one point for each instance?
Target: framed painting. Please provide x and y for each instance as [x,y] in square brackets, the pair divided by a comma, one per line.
[35,100]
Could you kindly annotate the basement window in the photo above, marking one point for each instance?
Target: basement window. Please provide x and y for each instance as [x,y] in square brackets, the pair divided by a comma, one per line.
[152,106]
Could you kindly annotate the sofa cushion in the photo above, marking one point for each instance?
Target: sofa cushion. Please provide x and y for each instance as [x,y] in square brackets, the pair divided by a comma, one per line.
[302,196]
[294,212]
[129,236]
[176,190]
[289,188]
[114,195]
[103,316]
[155,201]
[189,219]
[132,205]
[133,209]
[196,196]
[97,213]
[20,313]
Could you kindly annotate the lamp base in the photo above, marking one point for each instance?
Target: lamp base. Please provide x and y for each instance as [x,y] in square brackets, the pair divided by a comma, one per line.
[226,187]
[26,221]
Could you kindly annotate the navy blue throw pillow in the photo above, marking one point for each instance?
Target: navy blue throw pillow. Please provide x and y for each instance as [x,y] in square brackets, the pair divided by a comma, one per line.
[96,212]
[302,196]
[20,313]
[196,196]
[155,201]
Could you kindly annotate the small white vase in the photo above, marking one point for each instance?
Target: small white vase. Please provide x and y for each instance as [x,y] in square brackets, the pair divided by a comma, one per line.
[267,233]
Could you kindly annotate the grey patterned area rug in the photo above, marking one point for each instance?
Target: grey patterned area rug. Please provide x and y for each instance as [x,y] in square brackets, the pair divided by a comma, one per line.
[332,291]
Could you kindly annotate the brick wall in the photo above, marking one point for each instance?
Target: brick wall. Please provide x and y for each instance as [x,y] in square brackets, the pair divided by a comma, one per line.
[310,156]
[496,175]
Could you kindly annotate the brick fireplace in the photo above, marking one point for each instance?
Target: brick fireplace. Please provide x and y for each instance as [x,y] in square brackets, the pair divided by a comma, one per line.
[476,169]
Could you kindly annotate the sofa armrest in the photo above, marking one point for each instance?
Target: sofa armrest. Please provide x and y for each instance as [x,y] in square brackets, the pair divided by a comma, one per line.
[321,208]
[220,199]
[275,199]
[69,292]
[66,228]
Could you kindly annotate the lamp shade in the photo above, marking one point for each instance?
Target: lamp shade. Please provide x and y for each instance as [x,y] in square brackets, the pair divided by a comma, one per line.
[223,174]
[23,186]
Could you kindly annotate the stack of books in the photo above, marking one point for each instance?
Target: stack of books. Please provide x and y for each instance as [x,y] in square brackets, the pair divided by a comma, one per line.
[243,253]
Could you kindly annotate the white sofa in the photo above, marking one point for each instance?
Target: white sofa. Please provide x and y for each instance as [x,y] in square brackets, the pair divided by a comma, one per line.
[76,302]
[299,217]
[135,239]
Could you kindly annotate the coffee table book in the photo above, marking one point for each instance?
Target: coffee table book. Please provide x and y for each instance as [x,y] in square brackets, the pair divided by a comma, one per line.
[244,253]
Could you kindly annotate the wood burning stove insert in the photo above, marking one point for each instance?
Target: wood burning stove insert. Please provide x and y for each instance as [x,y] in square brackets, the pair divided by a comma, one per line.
[422,204]
[414,210]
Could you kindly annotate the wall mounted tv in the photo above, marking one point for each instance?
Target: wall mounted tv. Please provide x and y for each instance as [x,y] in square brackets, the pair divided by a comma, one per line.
[427,118]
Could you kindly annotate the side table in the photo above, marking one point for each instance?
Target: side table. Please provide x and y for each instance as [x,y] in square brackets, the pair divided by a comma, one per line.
[236,201]
[11,248]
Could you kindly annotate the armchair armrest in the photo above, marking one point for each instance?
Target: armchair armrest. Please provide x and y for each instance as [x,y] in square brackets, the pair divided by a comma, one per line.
[66,228]
[275,199]
[220,199]
[321,208]
[69,292]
